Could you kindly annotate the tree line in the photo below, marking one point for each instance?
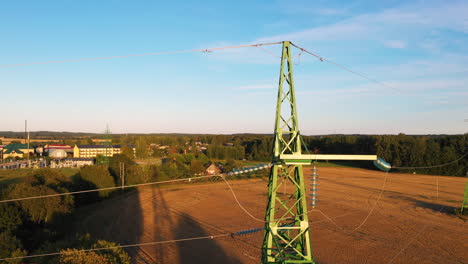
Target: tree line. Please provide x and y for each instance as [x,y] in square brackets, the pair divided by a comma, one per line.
[399,150]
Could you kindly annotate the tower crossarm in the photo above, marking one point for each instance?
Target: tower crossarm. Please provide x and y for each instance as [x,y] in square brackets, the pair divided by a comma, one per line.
[309,158]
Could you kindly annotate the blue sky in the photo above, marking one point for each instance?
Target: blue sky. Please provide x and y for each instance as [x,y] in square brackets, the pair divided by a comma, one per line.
[418,48]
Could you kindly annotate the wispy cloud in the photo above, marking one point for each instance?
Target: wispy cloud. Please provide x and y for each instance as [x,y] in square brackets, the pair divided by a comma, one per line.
[395,44]
[411,21]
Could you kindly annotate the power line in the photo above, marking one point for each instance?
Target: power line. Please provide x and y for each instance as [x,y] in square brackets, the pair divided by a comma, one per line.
[346,68]
[122,246]
[108,188]
[434,166]
[259,45]
[279,219]
[375,204]
[134,185]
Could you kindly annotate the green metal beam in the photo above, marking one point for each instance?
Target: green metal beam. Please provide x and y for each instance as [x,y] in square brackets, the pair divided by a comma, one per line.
[287,233]
[465,200]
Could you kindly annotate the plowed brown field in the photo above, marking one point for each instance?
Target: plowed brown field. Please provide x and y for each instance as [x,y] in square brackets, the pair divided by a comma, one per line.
[412,222]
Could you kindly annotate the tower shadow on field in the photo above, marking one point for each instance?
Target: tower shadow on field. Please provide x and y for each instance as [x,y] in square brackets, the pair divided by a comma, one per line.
[206,251]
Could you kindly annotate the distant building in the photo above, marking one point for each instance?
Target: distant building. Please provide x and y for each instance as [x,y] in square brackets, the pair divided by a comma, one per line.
[16,150]
[67,148]
[91,151]
[212,169]
[58,151]
[71,162]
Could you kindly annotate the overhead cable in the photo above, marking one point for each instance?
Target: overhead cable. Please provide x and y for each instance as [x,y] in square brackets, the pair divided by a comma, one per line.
[346,68]
[115,247]
[141,55]
[434,166]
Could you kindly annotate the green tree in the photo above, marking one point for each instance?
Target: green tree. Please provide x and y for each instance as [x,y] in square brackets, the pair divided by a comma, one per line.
[99,176]
[51,178]
[11,247]
[11,217]
[141,148]
[135,174]
[40,210]
[196,166]
[113,255]
[75,256]
[127,151]
[203,158]
[114,166]
[73,252]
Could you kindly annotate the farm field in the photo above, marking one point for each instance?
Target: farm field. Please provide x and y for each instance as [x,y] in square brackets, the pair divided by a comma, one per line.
[412,222]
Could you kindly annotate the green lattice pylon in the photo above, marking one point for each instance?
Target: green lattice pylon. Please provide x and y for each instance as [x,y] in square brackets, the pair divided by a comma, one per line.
[108,151]
[464,206]
[287,234]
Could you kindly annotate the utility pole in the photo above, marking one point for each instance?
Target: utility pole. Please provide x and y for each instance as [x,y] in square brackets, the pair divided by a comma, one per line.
[26,137]
[122,174]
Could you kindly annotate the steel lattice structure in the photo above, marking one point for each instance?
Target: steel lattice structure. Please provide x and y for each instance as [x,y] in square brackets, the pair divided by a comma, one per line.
[287,234]
[465,200]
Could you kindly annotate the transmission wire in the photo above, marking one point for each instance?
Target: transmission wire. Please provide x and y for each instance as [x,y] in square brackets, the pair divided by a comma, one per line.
[121,246]
[259,45]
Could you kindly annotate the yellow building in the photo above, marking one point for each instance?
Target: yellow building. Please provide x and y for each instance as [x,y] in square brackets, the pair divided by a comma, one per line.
[91,151]
[16,150]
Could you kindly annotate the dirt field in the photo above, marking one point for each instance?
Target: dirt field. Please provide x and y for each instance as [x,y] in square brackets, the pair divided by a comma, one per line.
[412,222]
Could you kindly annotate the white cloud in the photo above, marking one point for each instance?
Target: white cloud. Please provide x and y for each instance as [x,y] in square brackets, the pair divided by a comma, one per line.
[415,19]
[395,44]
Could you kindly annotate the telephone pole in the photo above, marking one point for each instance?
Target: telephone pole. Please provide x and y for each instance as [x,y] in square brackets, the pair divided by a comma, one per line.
[26,137]
[122,174]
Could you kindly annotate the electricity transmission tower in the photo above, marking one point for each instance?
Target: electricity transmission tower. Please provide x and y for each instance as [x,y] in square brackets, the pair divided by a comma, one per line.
[108,151]
[287,234]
